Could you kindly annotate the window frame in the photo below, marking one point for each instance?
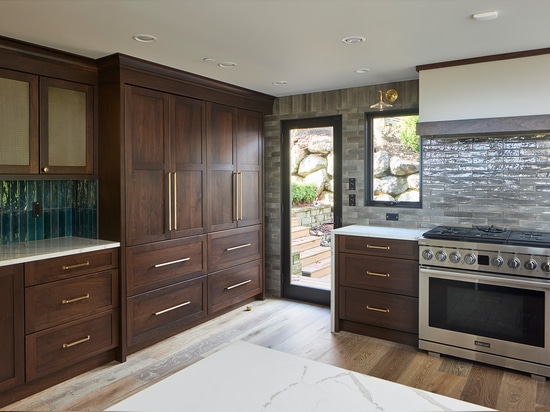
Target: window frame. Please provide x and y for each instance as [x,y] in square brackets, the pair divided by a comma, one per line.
[369,160]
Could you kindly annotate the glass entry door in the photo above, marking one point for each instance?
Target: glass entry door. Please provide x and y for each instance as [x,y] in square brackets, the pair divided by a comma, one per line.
[311,205]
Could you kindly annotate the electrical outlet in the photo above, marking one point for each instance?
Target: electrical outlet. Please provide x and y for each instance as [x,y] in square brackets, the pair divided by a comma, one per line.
[36,209]
[352,200]
[351,183]
[392,216]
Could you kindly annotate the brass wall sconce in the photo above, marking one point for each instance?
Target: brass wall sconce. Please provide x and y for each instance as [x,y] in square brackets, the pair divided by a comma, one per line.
[391,96]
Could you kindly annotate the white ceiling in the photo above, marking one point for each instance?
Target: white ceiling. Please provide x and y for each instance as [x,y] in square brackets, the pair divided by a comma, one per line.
[297,41]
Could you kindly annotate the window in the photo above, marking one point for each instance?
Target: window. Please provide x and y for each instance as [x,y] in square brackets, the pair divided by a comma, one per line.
[393,161]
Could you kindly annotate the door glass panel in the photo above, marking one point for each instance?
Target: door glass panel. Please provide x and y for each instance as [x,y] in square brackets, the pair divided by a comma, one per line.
[14,122]
[312,197]
[66,127]
[478,309]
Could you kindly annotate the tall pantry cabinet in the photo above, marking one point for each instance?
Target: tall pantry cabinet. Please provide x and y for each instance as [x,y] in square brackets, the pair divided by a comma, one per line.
[181,187]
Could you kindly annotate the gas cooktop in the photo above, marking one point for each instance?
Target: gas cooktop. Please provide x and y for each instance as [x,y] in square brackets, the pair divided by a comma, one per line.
[490,234]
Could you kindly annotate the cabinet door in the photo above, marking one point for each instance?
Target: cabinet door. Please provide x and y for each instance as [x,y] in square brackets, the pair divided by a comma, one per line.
[222,179]
[249,144]
[11,326]
[18,122]
[147,166]
[188,149]
[66,127]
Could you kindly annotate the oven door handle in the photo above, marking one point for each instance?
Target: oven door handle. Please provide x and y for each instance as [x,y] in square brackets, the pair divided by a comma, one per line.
[531,283]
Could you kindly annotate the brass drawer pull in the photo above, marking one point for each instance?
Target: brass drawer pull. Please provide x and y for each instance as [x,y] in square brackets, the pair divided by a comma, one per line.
[65,301]
[79,265]
[238,247]
[159,265]
[172,308]
[239,284]
[382,275]
[78,342]
[375,309]
[378,247]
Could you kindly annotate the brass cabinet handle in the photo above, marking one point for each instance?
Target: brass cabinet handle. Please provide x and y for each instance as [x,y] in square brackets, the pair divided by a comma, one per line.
[241,195]
[382,275]
[375,309]
[175,202]
[78,265]
[172,308]
[378,247]
[77,342]
[238,284]
[173,262]
[236,195]
[169,201]
[229,249]
[65,301]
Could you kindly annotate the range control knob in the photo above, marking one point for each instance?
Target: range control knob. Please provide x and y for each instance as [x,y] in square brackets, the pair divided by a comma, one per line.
[441,256]
[497,261]
[455,257]
[531,264]
[470,259]
[427,254]
[514,263]
[545,266]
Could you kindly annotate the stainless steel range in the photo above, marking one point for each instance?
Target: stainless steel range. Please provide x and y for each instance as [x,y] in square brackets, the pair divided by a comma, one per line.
[485,295]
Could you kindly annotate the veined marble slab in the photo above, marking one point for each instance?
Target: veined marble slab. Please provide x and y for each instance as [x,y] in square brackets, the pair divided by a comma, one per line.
[245,377]
[14,253]
[380,231]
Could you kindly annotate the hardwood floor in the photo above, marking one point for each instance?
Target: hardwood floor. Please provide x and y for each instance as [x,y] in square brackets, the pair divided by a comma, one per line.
[303,330]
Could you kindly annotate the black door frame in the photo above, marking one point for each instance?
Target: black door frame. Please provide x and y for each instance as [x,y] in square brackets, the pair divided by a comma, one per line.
[289,290]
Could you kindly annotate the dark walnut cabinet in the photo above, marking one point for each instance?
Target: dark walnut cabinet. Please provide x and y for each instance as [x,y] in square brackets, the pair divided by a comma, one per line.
[377,287]
[12,321]
[180,168]
[47,111]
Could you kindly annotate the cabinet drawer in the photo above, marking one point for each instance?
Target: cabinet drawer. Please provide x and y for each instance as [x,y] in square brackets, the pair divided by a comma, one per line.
[399,249]
[233,247]
[379,309]
[54,303]
[164,263]
[233,285]
[164,309]
[49,270]
[60,347]
[377,273]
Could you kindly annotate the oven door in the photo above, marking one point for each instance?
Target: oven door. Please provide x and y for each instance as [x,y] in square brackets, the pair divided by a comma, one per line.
[488,314]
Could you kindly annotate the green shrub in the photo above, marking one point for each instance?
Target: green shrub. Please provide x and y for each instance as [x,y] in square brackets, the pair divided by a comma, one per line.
[409,138]
[303,194]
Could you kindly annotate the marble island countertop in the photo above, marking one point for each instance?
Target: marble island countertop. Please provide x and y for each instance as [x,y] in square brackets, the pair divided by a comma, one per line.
[380,232]
[243,377]
[15,253]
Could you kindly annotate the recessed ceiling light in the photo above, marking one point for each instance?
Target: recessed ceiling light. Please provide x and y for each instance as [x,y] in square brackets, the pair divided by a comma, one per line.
[209,60]
[280,82]
[226,65]
[487,15]
[353,39]
[362,70]
[144,38]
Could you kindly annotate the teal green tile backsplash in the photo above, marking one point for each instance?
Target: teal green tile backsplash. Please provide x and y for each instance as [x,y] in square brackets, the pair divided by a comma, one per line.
[69,208]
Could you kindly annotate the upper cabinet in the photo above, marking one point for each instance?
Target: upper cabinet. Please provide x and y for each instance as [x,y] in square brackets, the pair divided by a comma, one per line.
[165,165]
[47,112]
[235,159]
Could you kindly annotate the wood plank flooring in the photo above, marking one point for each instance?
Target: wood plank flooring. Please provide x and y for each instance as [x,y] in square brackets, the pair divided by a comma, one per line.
[304,330]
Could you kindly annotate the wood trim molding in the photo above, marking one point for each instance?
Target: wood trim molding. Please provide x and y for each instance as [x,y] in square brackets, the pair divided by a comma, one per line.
[495,125]
[484,59]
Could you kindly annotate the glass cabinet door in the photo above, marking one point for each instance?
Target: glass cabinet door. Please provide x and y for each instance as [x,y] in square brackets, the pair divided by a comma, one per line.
[66,127]
[18,122]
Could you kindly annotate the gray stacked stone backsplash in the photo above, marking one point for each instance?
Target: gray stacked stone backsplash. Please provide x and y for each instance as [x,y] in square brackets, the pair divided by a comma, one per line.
[69,208]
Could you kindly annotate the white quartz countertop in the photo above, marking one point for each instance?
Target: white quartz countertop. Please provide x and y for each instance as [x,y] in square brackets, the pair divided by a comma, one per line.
[243,377]
[381,232]
[15,253]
